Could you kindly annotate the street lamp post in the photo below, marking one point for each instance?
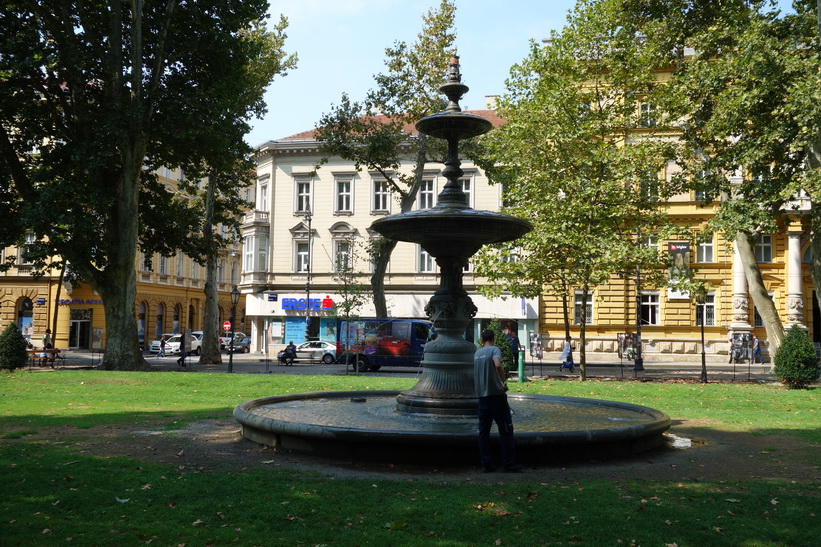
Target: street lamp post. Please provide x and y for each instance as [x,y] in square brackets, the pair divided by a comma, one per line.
[701,300]
[308,281]
[234,301]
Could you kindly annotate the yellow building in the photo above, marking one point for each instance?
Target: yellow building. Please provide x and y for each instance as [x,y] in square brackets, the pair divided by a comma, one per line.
[671,321]
[169,298]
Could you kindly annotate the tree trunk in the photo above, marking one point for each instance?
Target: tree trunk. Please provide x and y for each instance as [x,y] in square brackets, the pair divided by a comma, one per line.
[761,299]
[583,335]
[210,349]
[117,283]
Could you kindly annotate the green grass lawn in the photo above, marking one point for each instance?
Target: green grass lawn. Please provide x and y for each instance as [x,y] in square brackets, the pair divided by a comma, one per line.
[53,493]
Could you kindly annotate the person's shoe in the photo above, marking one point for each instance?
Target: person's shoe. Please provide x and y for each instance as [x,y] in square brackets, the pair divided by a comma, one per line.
[489,468]
[513,468]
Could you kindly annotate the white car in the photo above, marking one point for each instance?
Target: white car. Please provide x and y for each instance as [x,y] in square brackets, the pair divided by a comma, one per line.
[315,351]
[155,344]
[172,345]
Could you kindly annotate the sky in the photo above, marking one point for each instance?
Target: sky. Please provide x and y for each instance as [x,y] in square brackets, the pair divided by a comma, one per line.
[341,45]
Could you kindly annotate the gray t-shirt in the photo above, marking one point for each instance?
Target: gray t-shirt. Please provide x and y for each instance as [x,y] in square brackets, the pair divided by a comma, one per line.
[485,377]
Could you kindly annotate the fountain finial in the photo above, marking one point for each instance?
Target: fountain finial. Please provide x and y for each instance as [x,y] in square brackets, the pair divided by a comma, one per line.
[453,88]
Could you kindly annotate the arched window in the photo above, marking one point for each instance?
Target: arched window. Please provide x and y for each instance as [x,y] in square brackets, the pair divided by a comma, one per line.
[25,317]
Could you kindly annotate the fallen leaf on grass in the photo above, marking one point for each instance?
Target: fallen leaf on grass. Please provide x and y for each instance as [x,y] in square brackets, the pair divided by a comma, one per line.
[197,522]
[122,500]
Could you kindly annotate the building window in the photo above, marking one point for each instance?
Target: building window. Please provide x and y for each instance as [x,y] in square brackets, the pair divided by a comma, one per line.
[467,188]
[302,257]
[179,264]
[649,187]
[342,253]
[262,253]
[303,196]
[699,181]
[263,198]
[381,196]
[758,322]
[706,313]
[577,309]
[705,252]
[163,265]
[647,115]
[764,249]
[248,249]
[344,196]
[195,270]
[233,280]
[425,261]
[650,242]
[145,264]
[24,258]
[650,310]
[426,195]
[221,271]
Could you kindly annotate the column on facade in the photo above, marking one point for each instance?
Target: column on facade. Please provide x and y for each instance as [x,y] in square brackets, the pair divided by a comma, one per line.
[741,302]
[795,296]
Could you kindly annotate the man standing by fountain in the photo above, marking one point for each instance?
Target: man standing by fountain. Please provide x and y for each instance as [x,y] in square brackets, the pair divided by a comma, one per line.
[491,389]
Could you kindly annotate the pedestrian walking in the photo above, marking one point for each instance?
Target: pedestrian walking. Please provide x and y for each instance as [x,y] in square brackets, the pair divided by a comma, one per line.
[757,350]
[162,347]
[491,389]
[567,355]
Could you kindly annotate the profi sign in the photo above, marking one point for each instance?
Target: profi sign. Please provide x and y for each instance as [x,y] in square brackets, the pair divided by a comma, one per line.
[313,304]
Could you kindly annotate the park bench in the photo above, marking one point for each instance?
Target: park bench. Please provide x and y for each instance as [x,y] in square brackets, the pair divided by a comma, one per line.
[42,357]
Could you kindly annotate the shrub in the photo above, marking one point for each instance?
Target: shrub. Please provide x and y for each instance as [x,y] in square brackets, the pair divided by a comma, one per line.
[12,348]
[796,363]
[508,359]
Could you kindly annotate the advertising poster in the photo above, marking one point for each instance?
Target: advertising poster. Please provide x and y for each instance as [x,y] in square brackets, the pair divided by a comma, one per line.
[294,330]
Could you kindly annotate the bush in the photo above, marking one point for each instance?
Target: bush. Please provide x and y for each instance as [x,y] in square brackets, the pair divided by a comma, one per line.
[12,348]
[508,359]
[796,363]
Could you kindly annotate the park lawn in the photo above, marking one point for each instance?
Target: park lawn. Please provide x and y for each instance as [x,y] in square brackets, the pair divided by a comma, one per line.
[55,494]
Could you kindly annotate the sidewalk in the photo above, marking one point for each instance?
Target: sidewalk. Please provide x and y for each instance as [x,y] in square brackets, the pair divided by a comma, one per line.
[602,366]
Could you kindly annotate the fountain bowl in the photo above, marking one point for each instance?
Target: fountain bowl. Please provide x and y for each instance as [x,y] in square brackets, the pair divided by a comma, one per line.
[364,426]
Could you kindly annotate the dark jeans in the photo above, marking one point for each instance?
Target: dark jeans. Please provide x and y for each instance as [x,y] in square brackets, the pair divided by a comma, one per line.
[494,408]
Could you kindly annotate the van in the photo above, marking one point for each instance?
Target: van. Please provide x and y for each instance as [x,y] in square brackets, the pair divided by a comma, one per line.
[374,343]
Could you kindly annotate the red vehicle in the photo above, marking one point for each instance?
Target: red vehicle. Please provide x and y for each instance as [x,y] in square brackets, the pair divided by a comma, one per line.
[375,343]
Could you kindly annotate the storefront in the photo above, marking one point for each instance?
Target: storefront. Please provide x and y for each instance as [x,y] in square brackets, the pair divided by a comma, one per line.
[278,318]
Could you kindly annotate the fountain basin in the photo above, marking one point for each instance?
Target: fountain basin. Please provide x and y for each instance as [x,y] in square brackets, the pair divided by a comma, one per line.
[365,426]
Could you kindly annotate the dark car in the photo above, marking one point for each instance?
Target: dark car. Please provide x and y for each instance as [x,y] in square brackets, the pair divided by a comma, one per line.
[241,345]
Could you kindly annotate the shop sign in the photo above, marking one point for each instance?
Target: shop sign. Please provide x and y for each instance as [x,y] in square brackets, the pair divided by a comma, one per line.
[80,302]
[301,304]
[40,301]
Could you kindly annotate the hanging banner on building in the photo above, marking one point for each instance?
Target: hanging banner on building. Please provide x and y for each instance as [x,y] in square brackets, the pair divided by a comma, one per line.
[679,253]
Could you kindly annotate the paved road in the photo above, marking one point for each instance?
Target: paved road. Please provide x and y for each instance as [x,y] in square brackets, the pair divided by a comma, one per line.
[256,364]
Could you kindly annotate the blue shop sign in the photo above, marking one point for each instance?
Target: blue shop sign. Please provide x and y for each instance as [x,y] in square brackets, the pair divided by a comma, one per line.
[301,304]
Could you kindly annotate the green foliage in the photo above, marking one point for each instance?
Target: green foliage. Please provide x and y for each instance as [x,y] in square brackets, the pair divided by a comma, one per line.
[12,348]
[374,133]
[501,341]
[796,363]
[161,84]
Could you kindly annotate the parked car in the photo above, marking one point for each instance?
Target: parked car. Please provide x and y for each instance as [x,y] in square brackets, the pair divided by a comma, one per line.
[172,346]
[226,340]
[155,345]
[241,345]
[315,350]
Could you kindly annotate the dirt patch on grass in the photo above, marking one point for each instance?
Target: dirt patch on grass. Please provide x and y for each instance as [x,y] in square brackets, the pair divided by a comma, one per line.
[216,445]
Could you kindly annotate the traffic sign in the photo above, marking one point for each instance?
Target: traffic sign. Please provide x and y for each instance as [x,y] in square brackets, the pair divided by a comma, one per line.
[226,326]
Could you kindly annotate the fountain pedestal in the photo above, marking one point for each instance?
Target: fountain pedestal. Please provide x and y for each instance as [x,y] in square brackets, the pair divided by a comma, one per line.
[451,232]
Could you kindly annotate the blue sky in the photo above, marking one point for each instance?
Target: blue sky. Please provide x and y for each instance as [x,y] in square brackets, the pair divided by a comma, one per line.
[341,45]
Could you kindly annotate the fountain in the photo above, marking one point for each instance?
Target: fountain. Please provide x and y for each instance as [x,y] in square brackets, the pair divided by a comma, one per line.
[437,415]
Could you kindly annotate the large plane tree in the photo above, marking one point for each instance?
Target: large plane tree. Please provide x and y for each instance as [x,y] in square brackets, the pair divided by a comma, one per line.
[95,96]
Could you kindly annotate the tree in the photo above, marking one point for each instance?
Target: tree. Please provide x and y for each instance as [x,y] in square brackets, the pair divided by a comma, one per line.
[576,160]
[12,348]
[374,133]
[351,291]
[94,98]
[746,96]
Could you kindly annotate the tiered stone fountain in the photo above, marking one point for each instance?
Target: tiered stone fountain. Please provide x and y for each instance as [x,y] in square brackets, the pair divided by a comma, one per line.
[434,422]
